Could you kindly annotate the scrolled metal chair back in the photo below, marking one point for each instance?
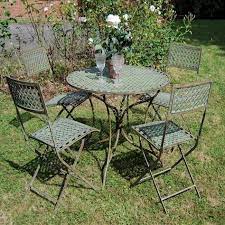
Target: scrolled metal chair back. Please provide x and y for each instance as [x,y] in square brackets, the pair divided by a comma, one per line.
[184,56]
[27,96]
[35,61]
[188,98]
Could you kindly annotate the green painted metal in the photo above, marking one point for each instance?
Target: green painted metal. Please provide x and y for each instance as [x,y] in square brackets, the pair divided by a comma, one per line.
[133,80]
[184,56]
[36,61]
[154,131]
[180,56]
[162,135]
[65,132]
[188,98]
[58,135]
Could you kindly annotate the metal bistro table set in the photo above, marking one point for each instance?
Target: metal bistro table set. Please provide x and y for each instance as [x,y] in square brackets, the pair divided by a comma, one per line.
[146,83]
[133,80]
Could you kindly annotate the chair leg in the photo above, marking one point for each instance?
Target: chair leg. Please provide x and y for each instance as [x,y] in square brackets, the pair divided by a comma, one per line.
[152,176]
[156,110]
[93,110]
[59,114]
[62,190]
[128,119]
[106,166]
[75,164]
[34,176]
[147,110]
[72,169]
[154,182]
[36,191]
[189,172]
[69,112]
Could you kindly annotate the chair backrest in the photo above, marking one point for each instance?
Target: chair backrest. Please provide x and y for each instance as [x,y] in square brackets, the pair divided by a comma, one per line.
[187,98]
[184,56]
[27,96]
[35,61]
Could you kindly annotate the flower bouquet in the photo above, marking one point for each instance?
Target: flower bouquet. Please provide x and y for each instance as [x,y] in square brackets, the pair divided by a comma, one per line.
[113,38]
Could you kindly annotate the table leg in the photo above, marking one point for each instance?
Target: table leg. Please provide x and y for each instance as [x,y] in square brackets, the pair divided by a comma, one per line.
[120,113]
[112,147]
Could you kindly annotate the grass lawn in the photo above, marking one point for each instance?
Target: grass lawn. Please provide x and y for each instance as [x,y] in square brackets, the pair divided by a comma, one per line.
[118,203]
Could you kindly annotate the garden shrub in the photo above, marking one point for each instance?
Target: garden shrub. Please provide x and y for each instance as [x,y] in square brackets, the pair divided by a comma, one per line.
[152,25]
[5,35]
[67,41]
[5,21]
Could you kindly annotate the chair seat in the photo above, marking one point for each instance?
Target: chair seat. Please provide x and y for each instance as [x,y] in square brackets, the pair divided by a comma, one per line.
[153,132]
[65,132]
[162,99]
[73,99]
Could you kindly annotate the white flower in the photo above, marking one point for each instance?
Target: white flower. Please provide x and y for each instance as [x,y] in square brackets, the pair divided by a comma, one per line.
[159,12]
[128,36]
[113,20]
[126,16]
[51,4]
[90,40]
[82,19]
[114,40]
[68,1]
[152,8]
[45,9]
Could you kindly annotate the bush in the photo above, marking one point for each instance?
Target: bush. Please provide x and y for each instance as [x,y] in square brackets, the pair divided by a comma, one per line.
[5,21]
[67,40]
[152,26]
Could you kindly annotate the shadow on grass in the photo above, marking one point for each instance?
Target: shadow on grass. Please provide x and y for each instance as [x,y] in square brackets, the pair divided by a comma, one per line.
[25,117]
[50,166]
[96,138]
[131,165]
[209,32]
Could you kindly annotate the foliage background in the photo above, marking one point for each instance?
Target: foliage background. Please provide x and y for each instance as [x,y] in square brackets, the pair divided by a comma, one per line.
[68,48]
[151,31]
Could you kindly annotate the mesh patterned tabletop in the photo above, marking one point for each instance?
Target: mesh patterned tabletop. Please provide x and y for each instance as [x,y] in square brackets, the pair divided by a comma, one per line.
[133,80]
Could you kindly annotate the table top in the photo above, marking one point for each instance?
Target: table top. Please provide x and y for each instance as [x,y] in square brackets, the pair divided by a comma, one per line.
[133,80]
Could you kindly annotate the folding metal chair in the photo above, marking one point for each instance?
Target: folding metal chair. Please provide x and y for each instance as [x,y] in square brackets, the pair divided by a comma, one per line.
[57,136]
[180,56]
[163,135]
[35,62]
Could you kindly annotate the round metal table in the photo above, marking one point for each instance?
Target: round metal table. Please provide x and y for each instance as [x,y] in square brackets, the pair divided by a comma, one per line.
[133,80]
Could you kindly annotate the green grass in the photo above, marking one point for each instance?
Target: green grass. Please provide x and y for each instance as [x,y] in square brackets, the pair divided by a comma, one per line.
[117,203]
